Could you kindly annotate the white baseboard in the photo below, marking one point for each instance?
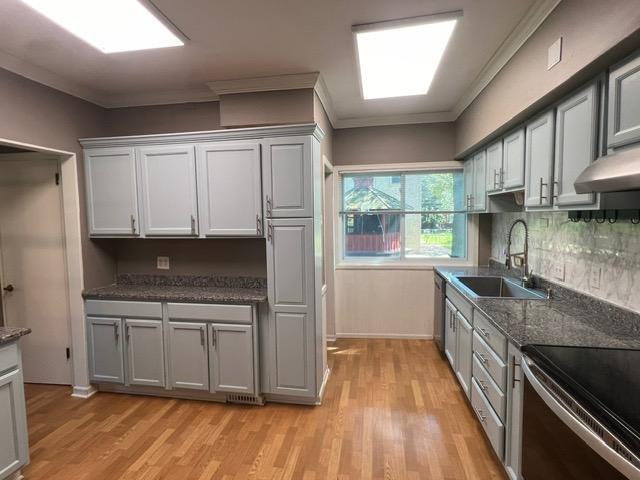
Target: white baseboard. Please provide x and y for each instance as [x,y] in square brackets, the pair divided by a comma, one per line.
[331,338]
[83,392]
[395,336]
[323,387]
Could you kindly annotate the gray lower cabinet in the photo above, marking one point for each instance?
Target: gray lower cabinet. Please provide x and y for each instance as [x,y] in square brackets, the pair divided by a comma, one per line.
[450,340]
[513,450]
[539,145]
[231,358]
[106,361]
[145,352]
[624,103]
[464,338]
[14,450]
[188,355]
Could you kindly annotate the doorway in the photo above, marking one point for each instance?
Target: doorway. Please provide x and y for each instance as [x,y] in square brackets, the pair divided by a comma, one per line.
[33,264]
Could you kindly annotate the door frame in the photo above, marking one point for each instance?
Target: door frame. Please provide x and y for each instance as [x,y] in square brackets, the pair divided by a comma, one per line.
[68,163]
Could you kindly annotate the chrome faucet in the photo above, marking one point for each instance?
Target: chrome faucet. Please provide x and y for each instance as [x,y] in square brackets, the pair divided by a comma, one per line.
[522,256]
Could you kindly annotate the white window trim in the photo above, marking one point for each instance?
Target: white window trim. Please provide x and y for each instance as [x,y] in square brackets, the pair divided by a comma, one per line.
[405,264]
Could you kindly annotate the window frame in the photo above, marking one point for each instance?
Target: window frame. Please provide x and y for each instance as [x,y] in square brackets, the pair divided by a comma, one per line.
[401,261]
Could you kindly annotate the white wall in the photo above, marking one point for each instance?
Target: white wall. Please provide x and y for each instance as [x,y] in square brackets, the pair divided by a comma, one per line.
[384,303]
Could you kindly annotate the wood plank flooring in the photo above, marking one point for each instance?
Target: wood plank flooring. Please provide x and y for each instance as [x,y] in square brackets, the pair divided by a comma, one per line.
[392,410]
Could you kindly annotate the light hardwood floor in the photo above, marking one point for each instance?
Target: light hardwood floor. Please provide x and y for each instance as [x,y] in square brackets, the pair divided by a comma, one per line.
[392,410]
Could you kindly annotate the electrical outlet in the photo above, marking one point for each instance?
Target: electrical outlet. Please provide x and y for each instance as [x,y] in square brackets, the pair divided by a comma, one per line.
[557,270]
[554,54]
[162,263]
[595,275]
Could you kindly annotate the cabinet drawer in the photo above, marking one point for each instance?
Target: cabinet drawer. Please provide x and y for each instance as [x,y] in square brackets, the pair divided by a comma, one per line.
[489,387]
[112,308]
[218,313]
[8,357]
[462,304]
[490,334]
[490,422]
[490,361]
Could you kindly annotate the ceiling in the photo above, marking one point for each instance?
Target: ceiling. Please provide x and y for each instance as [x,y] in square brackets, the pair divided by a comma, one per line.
[255,38]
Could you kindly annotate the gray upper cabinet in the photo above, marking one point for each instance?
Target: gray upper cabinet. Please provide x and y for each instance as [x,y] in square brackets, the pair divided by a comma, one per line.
[513,160]
[575,145]
[288,177]
[231,359]
[539,160]
[14,449]
[145,352]
[105,349]
[229,189]
[469,165]
[112,203]
[464,339]
[479,198]
[494,167]
[188,355]
[168,190]
[450,340]
[624,104]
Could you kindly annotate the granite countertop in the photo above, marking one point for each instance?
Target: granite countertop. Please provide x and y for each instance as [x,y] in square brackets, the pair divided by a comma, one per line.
[9,334]
[568,318]
[183,288]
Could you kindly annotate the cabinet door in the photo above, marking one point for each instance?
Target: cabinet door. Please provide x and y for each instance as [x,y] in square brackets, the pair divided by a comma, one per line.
[229,189]
[450,340]
[464,357]
[112,202]
[288,177]
[106,361]
[480,182]
[513,451]
[513,164]
[231,359]
[494,167]
[539,161]
[168,190]
[290,269]
[624,104]
[576,145]
[469,183]
[145,352]
[188,356]
[14,448]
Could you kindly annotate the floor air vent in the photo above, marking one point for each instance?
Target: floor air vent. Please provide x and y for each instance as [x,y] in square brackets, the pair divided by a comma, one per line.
[246,399]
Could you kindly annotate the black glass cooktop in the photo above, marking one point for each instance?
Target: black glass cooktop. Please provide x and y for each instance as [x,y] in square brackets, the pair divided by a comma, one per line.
[605,381]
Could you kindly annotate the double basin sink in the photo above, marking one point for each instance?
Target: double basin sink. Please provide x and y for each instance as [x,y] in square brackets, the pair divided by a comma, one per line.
[495,287]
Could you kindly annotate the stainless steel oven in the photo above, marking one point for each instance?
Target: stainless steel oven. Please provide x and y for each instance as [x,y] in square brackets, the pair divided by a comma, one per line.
[562,440]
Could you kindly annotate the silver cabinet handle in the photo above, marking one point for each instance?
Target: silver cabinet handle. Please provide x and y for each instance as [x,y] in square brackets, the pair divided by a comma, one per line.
[270,232]
[483,332]
[514,364]
[213,337]
[483,358]
[556,189]
[269,207]
[542,184]
[133,224]
[193,225]
[483,385]
[481,415]
[116,330]
[496,178]
[501,178]
[258,224]
[202,336]
[128,332]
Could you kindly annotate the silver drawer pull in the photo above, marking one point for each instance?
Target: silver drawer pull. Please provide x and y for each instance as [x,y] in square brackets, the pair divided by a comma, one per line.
[269,206]
[483,358]
[202,336]
[270,232]
[213,337]
[483,385]
[481,415]
[133,224]
[193,225]
[483,332]
[258,224]
[116,330]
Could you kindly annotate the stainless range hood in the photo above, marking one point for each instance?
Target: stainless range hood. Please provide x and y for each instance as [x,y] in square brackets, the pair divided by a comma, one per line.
[619,172]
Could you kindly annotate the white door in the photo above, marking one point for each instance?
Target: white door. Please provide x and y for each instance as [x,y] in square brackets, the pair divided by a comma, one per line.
[33,273]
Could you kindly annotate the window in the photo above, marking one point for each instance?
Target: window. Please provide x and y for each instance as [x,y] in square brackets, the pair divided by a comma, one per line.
[403,215]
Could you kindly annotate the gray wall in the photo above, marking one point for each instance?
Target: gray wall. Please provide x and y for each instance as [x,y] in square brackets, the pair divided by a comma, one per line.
[432,142]
[589,28]
[582,248]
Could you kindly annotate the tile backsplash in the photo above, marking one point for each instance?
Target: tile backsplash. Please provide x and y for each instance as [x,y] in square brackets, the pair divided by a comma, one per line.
[602,260]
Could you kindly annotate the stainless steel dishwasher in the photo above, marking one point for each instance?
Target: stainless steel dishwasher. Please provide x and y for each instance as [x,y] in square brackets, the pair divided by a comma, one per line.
[438,311]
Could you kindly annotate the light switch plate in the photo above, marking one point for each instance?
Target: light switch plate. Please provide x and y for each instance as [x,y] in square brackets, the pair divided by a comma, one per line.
[595,275]
[555,53]
[557,270]
[162,263]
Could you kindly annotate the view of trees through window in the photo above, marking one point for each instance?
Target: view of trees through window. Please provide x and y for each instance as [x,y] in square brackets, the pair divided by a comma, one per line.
[404,215]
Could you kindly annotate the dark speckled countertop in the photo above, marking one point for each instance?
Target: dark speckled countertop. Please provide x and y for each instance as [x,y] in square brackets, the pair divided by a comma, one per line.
[568,318]
[9,334]
[182,288]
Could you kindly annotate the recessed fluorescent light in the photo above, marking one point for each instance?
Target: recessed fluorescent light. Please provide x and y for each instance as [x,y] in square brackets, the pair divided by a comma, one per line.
[400,58]
[109,25]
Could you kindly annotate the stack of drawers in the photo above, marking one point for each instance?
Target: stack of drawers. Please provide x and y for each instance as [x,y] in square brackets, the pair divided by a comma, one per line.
[489,383]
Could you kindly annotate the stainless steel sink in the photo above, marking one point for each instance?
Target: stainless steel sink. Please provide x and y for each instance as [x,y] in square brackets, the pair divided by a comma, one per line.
[496,287]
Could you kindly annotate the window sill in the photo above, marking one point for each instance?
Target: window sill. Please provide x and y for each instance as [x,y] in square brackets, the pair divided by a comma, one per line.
[403,265]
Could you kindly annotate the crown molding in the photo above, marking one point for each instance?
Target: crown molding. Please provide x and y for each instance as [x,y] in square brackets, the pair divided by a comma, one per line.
[532,20]
[295,81]
[167,97]
[403,119]
[325,98]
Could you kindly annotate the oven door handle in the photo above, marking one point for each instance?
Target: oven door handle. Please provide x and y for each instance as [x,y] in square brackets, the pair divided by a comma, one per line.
[578,427]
